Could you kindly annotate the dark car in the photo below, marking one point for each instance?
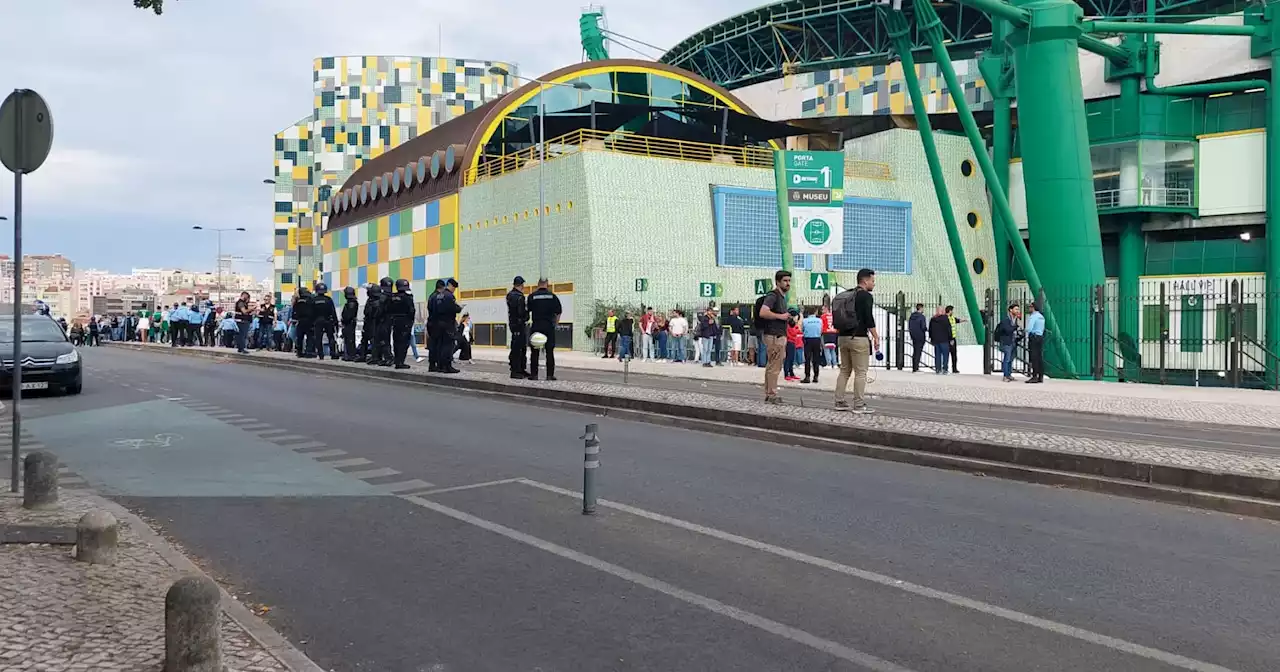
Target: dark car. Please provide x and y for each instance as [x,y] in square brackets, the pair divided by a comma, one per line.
[49,361]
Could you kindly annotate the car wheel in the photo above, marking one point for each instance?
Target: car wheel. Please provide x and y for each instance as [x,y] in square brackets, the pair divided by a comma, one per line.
[73,389]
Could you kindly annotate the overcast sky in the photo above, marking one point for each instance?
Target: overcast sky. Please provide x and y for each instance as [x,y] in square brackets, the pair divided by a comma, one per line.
[164,122]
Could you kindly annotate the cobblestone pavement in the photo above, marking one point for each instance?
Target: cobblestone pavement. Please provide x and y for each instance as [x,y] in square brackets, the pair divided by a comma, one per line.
[1216,461]
[59,615]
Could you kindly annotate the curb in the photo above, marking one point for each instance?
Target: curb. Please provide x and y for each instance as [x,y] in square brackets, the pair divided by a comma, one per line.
[273,642]
[1233,493]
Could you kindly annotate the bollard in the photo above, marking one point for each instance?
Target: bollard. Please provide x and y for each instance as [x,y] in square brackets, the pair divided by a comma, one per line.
[192,635]
[626,370]
[590,464]
[97,534]
[40,480]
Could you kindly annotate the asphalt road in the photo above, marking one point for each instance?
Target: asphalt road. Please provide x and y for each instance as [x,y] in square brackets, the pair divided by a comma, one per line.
[1223,438]
[723,554]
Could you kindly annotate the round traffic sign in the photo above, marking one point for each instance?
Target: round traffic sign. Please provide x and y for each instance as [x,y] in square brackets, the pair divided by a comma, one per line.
[817,232]
[26,131]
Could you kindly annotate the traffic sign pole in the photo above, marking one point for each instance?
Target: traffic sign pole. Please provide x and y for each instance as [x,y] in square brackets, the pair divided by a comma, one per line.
[784,215]
[17,322]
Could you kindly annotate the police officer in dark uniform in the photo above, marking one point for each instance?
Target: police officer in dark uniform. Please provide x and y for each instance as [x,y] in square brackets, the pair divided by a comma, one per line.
[545,310]
[370,327]
[303,311]
[382,337]
[400,310]
[518,327]
[325,317]
[350,309]
[445,322]
[432,301]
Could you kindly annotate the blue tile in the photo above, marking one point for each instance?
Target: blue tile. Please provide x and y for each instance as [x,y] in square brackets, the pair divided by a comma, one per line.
[362,275]
[420,268]
[433,214]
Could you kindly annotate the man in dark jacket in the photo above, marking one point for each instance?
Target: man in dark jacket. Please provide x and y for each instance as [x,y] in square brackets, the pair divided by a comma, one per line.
[304,336]
[350,309]
[940,336]
[446,320]
[324,317]
[400,313]
[373,296]
[517,327]
[917,327]
[1007,338]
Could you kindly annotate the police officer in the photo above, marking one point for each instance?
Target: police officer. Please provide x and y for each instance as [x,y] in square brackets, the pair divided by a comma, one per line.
[178,322]
[446,321]
[517,326]
[432,327]
[325,316]
[545,310]
[400,310]
[350,309]
[304,315]
[373,294]
[382,337]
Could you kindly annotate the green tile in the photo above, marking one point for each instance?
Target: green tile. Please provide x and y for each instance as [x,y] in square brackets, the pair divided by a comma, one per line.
[446,237]
[353,257]
[393,269]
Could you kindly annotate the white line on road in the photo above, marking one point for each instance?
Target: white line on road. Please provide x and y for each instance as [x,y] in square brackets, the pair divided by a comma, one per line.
[373,473]
[332,452]
[349,462]
[269,432]
[473,486]
[406,486]
[286,438]
[715,606]
[908,587]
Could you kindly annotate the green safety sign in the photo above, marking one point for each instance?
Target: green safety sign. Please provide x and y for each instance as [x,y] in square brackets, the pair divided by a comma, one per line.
[708,290]
[764,286]
[820,281]
[811,184]
[642,284]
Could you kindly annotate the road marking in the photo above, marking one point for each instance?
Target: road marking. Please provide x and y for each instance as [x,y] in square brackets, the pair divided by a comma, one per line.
[243,421]
[407,486]
[303,447]
[287,438]
[349,462]
[715,606]
[473,486]
[268,432]
[333,452]
[373,473]
[908,587]
[224,415]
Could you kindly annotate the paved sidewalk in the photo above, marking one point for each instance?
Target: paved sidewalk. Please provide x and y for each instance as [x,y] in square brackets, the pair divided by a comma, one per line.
[1210,405]
[60,615]
[1215,461]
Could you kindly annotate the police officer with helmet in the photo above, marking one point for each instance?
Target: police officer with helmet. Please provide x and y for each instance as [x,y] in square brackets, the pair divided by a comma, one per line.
[400,312]
[304,338]
[445,323]
[382,337]
[324,316]
[350,309]
[545,310]
[373,294]
[518,327]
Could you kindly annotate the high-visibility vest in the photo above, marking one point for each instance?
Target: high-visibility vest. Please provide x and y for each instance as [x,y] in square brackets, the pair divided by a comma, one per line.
[611,324]
[952,320]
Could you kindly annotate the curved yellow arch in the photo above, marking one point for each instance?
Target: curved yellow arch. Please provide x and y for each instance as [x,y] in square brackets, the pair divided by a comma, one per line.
[586,72]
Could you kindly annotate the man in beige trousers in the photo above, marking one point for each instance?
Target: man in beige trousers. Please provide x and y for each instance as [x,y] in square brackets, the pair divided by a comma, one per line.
[857,342]
[773,329]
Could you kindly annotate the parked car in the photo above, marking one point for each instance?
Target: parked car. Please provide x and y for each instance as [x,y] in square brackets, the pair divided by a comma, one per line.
[49,360]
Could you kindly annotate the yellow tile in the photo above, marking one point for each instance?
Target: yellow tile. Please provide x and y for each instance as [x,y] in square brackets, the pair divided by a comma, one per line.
[438,88]
[420,242]
[449,209]
[344,277]
[299,172]
[897,103]
[384,232]
[433,240]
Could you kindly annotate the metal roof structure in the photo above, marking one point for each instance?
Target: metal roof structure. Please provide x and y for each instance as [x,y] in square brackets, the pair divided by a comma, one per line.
[808,35]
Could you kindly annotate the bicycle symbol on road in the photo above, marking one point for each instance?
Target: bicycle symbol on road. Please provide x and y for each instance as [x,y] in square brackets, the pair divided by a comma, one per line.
[158,441]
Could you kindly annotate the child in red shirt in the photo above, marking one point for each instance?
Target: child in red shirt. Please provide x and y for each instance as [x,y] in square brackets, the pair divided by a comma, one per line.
[795,341]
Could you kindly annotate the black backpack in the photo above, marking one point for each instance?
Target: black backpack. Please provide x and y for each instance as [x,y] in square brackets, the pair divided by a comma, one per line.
[755,312]
[843,315]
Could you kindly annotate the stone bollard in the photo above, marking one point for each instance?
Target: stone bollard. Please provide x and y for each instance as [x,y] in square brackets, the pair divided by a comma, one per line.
[40,480]
[192,620]
[96,536]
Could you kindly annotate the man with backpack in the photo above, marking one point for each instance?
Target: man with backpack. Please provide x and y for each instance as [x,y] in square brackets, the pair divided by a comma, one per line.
[854,318]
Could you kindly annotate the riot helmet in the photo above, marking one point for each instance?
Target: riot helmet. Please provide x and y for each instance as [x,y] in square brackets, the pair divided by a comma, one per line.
[402,285]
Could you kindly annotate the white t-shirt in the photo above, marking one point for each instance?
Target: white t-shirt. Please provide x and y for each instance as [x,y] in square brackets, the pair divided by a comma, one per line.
[678,326]
[144,324]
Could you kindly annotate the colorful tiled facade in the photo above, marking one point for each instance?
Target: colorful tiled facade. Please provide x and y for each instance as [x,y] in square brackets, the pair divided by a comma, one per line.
[879,89]
[362,107]
[419,244]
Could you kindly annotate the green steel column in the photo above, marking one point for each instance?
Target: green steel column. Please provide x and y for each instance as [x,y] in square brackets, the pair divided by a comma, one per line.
[1273,204]
[1062,211]
[930,28]
[784,226]
[1001,150]
[1132,256]
[900,33]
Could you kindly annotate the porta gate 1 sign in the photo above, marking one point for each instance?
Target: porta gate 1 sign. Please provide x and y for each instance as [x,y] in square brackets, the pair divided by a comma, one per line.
[812,186]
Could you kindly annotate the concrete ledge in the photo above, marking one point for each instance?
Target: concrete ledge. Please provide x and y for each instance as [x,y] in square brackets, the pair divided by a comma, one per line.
[1234,493]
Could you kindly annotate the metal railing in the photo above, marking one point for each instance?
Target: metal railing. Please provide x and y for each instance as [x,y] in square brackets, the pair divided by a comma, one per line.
[621,142]
[1174,197]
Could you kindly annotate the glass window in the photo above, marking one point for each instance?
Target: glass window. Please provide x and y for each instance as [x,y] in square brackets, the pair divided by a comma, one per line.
[1168,173]
[1115,174]
[34,330]
[746,223]
[667,92]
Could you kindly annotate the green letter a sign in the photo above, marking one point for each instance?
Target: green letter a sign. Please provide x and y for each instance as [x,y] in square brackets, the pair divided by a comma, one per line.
[820,281]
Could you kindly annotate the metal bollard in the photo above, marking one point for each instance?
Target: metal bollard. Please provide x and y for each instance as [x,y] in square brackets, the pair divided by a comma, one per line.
[590,464]
[40,480]
[626,370]
[192,620]
[97,535]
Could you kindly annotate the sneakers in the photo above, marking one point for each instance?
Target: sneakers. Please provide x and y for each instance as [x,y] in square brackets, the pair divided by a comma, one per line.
[419,359]
[775,400]
[804,381]
[842,406]
[863,410]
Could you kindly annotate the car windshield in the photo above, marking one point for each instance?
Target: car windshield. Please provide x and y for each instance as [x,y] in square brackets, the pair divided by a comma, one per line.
[34,330]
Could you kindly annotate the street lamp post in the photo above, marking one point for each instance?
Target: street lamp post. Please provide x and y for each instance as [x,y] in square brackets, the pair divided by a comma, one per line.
[542,155]
[218,262]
